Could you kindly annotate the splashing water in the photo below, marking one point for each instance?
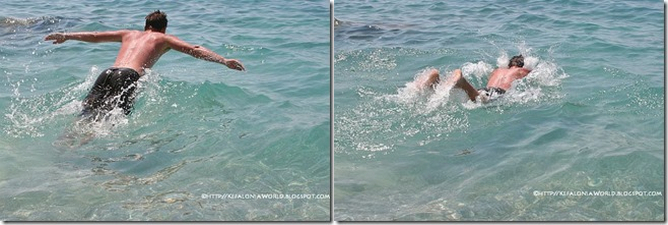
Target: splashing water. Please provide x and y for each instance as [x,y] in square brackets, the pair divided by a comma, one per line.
[533,88]
[31,117]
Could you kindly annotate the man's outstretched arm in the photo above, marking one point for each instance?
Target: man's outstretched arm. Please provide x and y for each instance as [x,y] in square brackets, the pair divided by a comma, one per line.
[203,53]
[105,36]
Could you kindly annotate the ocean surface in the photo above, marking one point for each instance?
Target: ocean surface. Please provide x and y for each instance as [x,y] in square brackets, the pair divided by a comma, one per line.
[589,118]
[202,139]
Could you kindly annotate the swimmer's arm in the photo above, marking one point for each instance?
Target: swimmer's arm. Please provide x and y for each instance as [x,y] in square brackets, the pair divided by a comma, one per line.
[202,53]
[105,36]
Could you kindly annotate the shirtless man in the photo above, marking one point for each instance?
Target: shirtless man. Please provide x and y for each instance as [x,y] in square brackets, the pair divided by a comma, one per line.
[115,86]
[499,82]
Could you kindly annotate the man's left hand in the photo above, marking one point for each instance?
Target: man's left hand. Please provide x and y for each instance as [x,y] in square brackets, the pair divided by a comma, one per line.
[234,64]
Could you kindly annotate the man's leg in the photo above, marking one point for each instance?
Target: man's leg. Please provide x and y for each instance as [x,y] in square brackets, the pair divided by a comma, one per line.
[459,81]
[95,98]
[431,80]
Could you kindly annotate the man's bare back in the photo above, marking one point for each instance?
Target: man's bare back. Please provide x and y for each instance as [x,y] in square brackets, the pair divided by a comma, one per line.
[114,87]
[503,77]
[140,50]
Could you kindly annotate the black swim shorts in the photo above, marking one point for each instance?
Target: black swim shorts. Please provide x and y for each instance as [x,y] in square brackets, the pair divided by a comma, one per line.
[114,88]
[489,91]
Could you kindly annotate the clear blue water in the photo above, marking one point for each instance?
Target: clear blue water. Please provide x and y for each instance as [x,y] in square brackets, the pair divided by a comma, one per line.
[590,117]
[197,128]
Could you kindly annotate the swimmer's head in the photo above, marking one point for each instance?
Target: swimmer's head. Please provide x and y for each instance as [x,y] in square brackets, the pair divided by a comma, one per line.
[516,61]
[156,21]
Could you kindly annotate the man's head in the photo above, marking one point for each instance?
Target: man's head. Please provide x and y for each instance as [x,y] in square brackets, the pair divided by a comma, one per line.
[516,61]
[156,21]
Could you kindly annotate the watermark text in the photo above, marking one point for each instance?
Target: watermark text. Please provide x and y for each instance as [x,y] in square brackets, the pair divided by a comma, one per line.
[597,193]
[271,196]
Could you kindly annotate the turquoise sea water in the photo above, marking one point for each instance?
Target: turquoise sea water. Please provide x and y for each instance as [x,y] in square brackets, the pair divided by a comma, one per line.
[198,129]
[590,117]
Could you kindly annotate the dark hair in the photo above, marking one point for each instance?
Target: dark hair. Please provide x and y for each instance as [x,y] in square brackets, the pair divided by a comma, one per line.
[516,61]
[156,20]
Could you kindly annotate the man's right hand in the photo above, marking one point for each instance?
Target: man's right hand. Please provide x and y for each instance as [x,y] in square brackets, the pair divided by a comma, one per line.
[57,37]
[234,64]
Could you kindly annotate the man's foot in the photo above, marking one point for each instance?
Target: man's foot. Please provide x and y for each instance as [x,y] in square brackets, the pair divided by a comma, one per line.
[431,80]
[457,79]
